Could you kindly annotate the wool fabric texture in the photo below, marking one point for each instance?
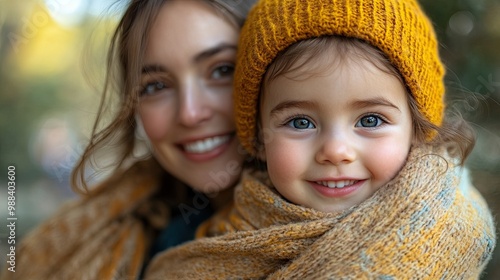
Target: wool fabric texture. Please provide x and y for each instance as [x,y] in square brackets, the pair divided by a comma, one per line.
[399,28]
[415,227]
[103,236]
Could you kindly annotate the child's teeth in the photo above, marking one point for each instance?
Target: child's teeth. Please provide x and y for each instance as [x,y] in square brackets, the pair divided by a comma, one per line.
[337,184]
[206,145]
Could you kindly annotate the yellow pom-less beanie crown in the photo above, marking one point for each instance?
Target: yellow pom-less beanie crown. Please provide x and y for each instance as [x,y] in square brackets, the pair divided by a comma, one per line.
[399,28]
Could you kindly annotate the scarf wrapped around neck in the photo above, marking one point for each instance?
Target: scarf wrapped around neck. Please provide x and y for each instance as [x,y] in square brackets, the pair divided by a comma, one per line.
[424,224]
[103,236]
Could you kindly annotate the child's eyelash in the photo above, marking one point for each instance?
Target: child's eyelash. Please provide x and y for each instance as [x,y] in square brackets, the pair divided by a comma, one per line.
[297,116]
[378,115]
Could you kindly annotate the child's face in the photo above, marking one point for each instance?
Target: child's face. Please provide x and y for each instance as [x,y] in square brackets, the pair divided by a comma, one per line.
[331,140]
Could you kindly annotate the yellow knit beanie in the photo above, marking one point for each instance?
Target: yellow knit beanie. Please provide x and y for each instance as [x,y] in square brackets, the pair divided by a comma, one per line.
[399,28]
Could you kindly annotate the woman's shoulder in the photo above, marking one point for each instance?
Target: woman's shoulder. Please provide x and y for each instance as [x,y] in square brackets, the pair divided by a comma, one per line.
[91,223]
[139,172]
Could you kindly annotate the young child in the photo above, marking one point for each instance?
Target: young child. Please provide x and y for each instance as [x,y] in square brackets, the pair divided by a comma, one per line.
[343,100]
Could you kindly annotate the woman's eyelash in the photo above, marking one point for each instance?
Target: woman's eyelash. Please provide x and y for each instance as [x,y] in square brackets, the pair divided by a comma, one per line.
[152,87]
[222,72]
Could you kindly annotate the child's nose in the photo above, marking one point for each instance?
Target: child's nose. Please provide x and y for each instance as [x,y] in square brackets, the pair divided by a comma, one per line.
[335,149]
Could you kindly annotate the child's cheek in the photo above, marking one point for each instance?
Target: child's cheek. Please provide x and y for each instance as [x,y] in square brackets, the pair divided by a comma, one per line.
[283,160]
[396,154]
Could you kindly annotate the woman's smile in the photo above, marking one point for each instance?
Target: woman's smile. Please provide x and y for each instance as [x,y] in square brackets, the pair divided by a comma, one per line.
[207,148]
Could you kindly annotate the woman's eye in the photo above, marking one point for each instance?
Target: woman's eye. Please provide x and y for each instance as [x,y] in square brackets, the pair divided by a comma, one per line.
[370,121]
[223,71]
[301,123]
[152,88]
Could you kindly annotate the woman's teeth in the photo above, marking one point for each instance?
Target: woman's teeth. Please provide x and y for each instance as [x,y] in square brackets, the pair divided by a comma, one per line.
[206,145]
[337,184]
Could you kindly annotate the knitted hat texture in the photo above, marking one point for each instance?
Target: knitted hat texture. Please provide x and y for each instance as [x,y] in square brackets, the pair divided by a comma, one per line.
[399,28]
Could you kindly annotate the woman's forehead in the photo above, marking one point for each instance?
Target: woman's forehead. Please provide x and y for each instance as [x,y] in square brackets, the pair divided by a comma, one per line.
[184,29]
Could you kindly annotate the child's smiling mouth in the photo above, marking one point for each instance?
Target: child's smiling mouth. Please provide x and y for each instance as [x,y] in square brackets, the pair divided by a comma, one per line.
[337,188]
[337,184]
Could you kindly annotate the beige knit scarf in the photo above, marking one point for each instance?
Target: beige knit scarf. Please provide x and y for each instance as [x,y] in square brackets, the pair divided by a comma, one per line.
[103,236]
[424,224]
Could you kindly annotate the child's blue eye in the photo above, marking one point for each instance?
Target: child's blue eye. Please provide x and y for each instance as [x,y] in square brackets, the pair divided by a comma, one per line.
[369,121]
[301,123]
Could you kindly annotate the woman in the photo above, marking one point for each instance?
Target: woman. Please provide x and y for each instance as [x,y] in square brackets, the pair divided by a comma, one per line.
[172,62]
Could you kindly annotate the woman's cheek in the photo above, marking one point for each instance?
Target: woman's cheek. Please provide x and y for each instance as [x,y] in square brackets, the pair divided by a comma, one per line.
[155,122]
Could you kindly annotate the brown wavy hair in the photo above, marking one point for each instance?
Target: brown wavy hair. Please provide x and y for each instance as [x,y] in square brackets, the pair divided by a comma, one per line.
[121,85]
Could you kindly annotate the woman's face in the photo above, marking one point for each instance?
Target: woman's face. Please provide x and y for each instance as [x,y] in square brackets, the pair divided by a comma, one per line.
[186,99]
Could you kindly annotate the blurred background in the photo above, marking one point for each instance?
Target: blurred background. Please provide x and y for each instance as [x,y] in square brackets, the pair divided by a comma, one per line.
[52,59]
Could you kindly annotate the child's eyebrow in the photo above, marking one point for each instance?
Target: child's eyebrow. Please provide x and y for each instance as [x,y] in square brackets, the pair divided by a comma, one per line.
[303,104]
[376,101]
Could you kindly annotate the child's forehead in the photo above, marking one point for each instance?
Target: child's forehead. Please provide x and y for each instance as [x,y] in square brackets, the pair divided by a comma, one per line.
[403,32]
[318,56]
[346,71]
[346,83]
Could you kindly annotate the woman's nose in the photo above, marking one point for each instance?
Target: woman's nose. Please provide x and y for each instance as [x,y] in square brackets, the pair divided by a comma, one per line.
[335,149]
[194,107]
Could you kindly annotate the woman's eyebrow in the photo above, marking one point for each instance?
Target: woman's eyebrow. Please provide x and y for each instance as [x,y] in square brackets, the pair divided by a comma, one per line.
[376,101]
[154,68]
[213,51]
[302,104]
